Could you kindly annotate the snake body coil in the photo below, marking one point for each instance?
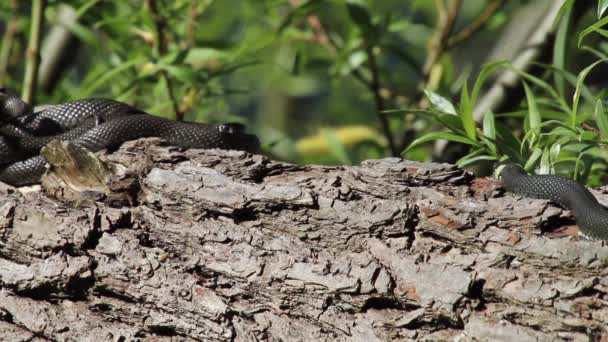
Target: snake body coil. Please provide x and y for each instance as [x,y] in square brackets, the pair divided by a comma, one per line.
[591,216]
[96,124]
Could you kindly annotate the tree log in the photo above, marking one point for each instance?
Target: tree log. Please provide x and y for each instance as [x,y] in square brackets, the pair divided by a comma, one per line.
[204,245]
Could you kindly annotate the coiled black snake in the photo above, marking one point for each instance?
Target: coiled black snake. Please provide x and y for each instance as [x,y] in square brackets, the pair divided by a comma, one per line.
[591,216]
[95,124]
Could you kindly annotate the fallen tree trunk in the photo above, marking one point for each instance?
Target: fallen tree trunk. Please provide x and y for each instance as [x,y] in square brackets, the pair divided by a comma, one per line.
[224,245]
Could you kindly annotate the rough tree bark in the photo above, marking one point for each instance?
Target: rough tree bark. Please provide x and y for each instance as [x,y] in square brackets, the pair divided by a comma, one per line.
[165,244]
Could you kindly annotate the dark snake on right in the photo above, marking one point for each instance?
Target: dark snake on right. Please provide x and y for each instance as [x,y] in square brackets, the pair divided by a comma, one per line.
[95,124]
[591,216]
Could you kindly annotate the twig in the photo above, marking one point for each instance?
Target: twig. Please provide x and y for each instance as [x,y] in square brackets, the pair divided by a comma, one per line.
[318,29]
[375,89]
[58,48]
[445,25]
[191,27]
[33,53]
[7,42]
[373,85]
[476,25]
[196,9]
[160,44]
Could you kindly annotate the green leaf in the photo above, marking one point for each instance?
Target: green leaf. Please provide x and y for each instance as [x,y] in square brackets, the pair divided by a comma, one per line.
[579,86]
[532,160]
[466,160]
[544,85]
[175,57]
[562,128]
[533,118]
[347,62]
[566,6]
[466,112]
[533,115]
[572,163]
[489,131]
[406,55]
[602,5]
[410,110]
[298,13]
[361,16]
[571,79]
[560,50]
[589,136]
[228,69]
[116,71]
[581,162]
[509,144]
[489,126]
[84,33]
[440,102]
[439,136]
[545,163]
[85,7]
[485,72]
[593,28]
[182,73]
[601,118]
[453,122]
[555,149]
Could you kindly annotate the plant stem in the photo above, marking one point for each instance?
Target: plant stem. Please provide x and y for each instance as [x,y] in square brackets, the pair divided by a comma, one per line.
[33,53]
[192,22]
[373,85]
[445,25]
[375,88]
[160,44]
[476,25]
[7,43]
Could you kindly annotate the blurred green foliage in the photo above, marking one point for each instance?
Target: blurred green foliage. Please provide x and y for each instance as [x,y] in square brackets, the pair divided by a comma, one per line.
[335,81]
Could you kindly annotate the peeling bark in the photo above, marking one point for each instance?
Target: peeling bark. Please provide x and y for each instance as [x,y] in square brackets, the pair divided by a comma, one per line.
[199,245]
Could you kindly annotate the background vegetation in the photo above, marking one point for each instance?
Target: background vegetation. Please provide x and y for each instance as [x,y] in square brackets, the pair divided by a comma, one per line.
[337,81]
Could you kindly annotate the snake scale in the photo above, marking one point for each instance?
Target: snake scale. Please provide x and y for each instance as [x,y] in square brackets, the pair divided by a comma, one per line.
[96,124]
[591,216]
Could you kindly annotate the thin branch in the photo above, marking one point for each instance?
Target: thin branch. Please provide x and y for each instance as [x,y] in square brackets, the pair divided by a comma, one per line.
[380,107]
[445,25]
[321,37]
[33,53]
[477,24]
[59,46]
[160,43]
[318,29]
[7,42]
[373,85]
[192,23]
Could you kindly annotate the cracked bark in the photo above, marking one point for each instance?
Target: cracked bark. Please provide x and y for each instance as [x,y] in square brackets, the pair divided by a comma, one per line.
[168,244]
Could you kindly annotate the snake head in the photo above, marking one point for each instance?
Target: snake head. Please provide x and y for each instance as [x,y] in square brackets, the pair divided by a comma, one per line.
[11,106]
[231,128]
[235,137]
[512,170]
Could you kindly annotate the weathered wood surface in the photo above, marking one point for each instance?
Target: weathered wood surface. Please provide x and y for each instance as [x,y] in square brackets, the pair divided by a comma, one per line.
[221,245]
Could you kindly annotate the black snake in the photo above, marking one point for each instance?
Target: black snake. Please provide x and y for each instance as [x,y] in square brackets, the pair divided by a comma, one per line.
[591,216]
[102,123]
[95,124]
